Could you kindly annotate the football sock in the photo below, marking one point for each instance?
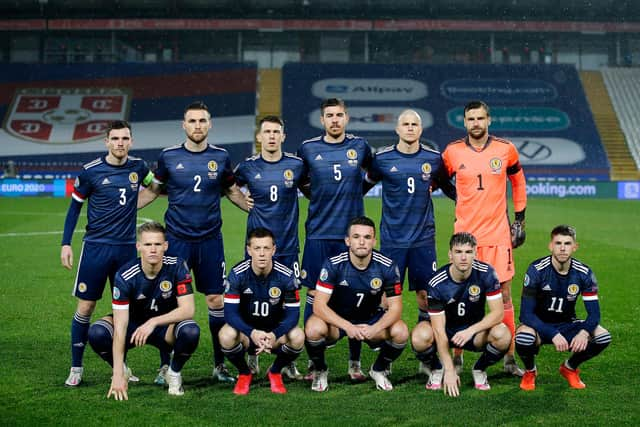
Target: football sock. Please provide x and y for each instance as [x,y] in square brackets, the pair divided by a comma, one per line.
[216,322]
[595,347]
[187,334]
[389,351]
[489,356]
[101,340]
[308,308]
[79,335]
[527,349]
[429,357]
[355,349]
[315,350]
[236,356]
[509,320]
[284,356]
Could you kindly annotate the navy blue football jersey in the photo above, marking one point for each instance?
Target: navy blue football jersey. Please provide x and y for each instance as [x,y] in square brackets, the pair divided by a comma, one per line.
[113,194]
[194,182]
[274,189]
[357,294]
[556,294]
[463,303]
[407,179]
[261,301]
[146,298]
[336,177]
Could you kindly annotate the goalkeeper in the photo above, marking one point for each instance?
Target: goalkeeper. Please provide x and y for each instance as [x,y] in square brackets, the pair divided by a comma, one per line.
[482,164]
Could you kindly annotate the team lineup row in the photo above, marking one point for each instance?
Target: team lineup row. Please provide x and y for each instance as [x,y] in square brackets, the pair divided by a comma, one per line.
[333,171]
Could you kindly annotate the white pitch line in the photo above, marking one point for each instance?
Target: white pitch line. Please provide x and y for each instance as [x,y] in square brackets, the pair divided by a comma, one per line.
[44,233]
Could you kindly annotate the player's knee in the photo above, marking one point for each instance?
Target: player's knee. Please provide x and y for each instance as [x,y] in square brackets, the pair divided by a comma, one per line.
[601,336]
[296,338]
[525,339]
[101,336]
[506,291]
[215,301]
[422,336]
[315,328]
[86,307]
[525,330]
[188,332]
[228,336]
[399,332]
[500,337]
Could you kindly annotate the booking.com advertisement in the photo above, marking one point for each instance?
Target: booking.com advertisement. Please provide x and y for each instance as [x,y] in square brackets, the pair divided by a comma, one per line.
[541,109]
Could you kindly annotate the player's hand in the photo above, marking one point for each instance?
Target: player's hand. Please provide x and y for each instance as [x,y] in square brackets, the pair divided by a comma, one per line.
[451,383]
[355,332]
[560,342]
[249,200]
[580,341]
[369,331]
[462,337]
[270,340]
[518,235]
[259,338]
[140,335]
[66,257]
[118,388]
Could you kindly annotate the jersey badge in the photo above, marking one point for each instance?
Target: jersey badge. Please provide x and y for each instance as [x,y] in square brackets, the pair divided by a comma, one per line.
[288,178]
[274,294]
[116,293]
[180,166]
[496,165]
[303,274]
[318,157]
[213,169]
[572,290]
[343,283]
[352,156]
[258,176]
[393,169]
[82,287]
[526,280]
[324,274]
[165,287]
[60,116]
[247,291]
[133,179]
[106,181]
[376,284]
[426,171]
[474,293]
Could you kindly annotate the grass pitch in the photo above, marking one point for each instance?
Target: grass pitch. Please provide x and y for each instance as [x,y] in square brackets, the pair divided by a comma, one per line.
[37,309]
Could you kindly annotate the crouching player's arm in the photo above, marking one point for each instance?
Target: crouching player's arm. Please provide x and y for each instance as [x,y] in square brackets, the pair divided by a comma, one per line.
[451,381]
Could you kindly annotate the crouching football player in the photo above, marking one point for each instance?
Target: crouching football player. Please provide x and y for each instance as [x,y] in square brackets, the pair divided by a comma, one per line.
[548,310]
[152,303]
[261,308]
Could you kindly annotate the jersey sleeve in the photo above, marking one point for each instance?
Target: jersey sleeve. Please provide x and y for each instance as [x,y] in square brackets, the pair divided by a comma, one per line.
[183,280]
[368,156]
[239,173]
[443,181]
[82,187]
[435,303]
[121,290]
[146,174]
[228,179]
[492,285]
[392,285]
[326,279]
[528,302]
[232,305]
[161,174]
[518,181]
[447,160]
[373,173]
[590,299]
[291,309]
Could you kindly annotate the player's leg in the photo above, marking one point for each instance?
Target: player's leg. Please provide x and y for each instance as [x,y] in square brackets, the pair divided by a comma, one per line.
[234,345]
[94,267]
[424,347]
[501,259]
[527,346]
[493,344]
[394,341]
[100,338]
[184,338]
[288,349]
[316,333]
[599,340]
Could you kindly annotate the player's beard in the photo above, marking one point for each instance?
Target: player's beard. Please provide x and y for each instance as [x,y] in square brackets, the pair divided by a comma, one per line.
[477,134]
[197,138]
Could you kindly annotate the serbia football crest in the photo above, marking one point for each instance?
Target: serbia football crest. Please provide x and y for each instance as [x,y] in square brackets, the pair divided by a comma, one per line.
[65,115]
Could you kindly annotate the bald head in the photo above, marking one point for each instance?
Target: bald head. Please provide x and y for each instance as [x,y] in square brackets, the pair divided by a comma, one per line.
[409,127]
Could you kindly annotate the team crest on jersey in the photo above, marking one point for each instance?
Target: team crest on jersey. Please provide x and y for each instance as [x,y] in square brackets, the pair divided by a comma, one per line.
[572,290]
[213,169]
[375,283]
[474,293]
[165,286]
[426,171]
[288,178]
[303,274]
[352,155]
[82,287]
[274,294]
[324,274]
[496,165]
[65,115]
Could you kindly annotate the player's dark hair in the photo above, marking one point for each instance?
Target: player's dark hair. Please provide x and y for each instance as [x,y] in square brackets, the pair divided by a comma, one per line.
[258,233]
[270,119]
[118,124]
[474,105]
[197,105]
[150,227]
[463,238]
[563,230]
[332,102]
[361,220]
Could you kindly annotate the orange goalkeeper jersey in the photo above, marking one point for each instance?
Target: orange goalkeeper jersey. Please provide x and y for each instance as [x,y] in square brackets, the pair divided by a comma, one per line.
[481,187]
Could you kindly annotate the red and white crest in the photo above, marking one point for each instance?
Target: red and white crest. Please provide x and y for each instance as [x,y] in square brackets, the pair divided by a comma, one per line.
[65,115]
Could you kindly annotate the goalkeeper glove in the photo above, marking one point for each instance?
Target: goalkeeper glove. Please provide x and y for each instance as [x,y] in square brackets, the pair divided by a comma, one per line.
[518,235]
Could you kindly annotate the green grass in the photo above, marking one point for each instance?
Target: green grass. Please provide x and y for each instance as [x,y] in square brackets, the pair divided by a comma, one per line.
[37,309]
